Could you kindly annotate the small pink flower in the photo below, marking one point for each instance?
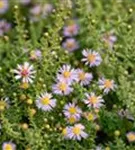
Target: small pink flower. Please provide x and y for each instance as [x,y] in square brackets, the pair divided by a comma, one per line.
[67,74]
[77,132]
[93,101]
[62,88]
[71,30]
[91,58]
[72,109]
[84,78]
[4,4]
[25,72]
[70,45]
[107,85]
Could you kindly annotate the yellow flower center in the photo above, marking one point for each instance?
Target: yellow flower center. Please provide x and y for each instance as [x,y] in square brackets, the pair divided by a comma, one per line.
[2,105]
[45,101]
[8,147]
[72,119]
[90,117]
[108,84]
[76,130]
[72,110]
[91,58]
[70,44]
[24,85]
[82,76]
[93,99]
[1,4]
[62,86]
[131,137]
[66,74]
[64,132]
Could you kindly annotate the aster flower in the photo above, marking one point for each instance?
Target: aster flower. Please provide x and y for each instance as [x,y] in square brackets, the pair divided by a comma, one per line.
[71,30]
[109,39]
[62,88]
[92,58]
[72,119]
[76,132]
[84,78]
[131,136]
[90,116]
[47,9]
[4,103]
[3,6]
[107,85]
[93,101]
[34,55]
[46,102]
[67,74]
[35,13]
[25,72]
[70,45]
[65,132]
[4,27]
[73,110]
[8,146]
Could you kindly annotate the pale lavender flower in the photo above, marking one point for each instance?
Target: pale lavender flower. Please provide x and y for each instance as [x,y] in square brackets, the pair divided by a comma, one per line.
[35,13]
[93,101]
[4,27]
[8,146]
[131,136]
[72,109]
[70,45]
[107,85]
[35,54]
[4,4]
[47,9]
[25,72]
[62,88]
[109,39]
[84,78]
[67,74]
[45,102]
[77,132]
[65,132]
[92,58]
[71,30]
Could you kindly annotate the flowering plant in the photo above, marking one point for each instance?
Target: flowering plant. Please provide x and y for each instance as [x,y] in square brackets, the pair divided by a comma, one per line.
[67,75]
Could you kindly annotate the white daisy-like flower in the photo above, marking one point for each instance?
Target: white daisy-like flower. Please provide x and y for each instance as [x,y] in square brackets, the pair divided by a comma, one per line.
[107,85]
[84,78]
[46,102]
[25,72]
[67,74]
[62,88]
[8,146]
[76,132]
[73,110]
[91,58]
[93,101]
